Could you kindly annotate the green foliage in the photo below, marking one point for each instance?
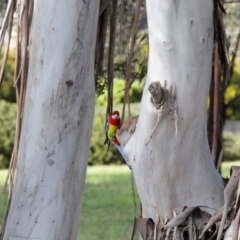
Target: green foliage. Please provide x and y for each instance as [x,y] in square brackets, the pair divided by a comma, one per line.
[232,95]
[231,23]
[7,131]
[101,85]
[118,93]
[231,144]
[7,90]
[98,153]
[3,197]
[226,168]
[139,69]
[138,72]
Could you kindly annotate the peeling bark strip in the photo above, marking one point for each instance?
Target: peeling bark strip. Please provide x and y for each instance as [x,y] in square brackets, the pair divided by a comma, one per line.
[157,94]
[165,101]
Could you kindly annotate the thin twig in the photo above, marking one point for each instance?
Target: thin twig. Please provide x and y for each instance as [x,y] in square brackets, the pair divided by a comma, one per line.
[221,39]
[103,5]
[234,55]
[20,81]
[100,43]
[5,23]
[133,35]
[216,103]
[134,195]
[111,58]
[9,31]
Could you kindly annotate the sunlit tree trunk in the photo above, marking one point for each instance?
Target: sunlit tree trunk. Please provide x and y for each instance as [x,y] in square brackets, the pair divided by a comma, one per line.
[57,121]
[169,150]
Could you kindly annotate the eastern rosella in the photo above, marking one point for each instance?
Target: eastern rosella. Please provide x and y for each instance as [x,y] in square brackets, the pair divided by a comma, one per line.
[112,125]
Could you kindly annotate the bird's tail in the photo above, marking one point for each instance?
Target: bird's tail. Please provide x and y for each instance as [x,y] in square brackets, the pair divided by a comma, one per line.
[120,149]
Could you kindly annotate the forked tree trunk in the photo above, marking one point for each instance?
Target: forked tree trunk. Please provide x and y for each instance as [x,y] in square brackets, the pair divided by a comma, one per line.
[169,150]
[57,121]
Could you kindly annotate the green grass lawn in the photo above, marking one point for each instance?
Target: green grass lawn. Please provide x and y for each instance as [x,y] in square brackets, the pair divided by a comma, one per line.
[226,166]
[3,197]
[108,208]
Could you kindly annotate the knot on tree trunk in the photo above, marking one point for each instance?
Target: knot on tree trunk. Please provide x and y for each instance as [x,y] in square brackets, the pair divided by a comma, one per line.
[164,99]
[156,91]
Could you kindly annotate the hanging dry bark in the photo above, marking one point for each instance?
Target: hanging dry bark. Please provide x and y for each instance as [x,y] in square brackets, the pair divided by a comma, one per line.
[7,26]
[194,223]
[221,39]
[101,39]
[108,19]
[24,15]
[221,70]
[132,40]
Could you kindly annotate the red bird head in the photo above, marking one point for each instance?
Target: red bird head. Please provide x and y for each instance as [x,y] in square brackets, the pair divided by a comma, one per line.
[114,119]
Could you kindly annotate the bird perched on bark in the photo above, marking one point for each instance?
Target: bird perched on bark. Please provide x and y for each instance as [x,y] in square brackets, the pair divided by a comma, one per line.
[112,125]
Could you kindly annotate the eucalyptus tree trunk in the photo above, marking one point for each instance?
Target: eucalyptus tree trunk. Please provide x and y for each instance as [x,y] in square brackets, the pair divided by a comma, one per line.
[57,121]
[169,151]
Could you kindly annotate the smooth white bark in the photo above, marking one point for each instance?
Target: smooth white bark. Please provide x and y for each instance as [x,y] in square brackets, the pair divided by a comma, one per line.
[176,169]
[57,122]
